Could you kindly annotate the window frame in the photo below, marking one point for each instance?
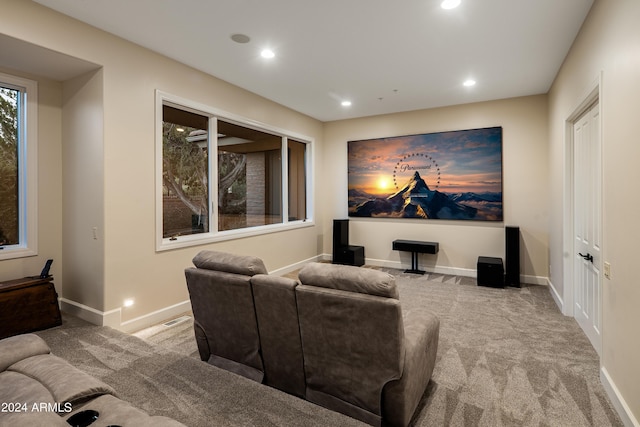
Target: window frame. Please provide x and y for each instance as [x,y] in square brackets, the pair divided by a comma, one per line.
[214,114]
[27,168]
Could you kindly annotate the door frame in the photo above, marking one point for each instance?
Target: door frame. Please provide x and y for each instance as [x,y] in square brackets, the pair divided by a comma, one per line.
[591,95]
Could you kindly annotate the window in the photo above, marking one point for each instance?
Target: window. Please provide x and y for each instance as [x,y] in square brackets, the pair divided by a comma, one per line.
[18,167]
[185,173]
[261,176]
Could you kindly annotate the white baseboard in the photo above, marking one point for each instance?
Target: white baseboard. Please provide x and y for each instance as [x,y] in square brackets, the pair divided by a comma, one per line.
[534,280]
[556,296]
[101,318]
[113,318]
[628,419]
[454,271]
[155,317]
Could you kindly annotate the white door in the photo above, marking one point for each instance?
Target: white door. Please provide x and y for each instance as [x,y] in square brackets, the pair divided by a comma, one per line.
[587,183]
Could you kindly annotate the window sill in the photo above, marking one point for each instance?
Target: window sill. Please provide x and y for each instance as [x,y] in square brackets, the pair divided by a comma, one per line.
[167,244]
[13,252]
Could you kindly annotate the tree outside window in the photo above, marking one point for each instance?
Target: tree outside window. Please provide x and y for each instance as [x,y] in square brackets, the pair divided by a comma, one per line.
[223,178]
[9,206]
[185,173]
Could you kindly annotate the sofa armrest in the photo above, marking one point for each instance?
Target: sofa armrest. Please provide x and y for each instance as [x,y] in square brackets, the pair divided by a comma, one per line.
[226,325]
[114,411]
[401,397]
[32,419]
[14,349]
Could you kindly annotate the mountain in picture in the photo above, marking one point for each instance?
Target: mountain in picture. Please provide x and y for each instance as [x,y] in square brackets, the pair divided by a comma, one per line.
[417,200]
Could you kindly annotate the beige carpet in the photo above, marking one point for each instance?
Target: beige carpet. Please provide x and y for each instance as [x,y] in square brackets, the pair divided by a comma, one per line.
[161,381]
[506,357]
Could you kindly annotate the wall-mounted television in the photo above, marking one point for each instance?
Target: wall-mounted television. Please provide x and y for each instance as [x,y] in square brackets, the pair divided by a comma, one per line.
[455,175]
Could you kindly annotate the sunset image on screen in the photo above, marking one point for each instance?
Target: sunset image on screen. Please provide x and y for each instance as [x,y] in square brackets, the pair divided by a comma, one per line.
[446,175]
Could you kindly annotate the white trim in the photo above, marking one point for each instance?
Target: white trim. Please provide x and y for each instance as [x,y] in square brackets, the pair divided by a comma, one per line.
[28,180]
[163,244]
[204,238]
[589,96]
[621,406]
[155,317]
[293,267]
[113,318]
[556,296]
[109,318]
[453,271]
[284,178]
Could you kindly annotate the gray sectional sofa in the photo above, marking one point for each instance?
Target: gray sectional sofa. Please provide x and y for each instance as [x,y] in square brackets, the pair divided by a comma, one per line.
[338,338]
[38,388]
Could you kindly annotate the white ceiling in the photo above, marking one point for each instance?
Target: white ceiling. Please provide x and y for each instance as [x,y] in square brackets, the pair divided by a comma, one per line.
[385,56]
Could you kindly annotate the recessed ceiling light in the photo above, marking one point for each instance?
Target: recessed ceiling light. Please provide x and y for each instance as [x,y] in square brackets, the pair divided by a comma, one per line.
[469,83]
[346,103]
[240,38]
[450,4]
[267,53]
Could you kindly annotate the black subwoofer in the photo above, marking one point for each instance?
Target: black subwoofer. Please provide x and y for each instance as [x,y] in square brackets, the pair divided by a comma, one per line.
[490,272]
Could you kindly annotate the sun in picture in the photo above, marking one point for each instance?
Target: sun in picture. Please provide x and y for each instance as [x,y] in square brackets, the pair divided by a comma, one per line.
[383,183]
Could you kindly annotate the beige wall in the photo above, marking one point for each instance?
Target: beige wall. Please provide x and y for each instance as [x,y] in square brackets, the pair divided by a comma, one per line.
[83,189]
[525,184]
[120,133]
[123,210]
[608,45]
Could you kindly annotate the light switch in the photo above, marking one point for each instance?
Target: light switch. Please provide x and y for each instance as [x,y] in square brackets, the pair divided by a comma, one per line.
[607,270]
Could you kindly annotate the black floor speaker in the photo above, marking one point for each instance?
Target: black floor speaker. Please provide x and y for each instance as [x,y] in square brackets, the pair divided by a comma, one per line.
[512,256]
[340,234]
[343,253]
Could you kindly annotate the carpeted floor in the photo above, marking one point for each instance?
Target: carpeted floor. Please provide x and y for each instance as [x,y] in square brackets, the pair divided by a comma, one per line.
[161,381]
[506,357]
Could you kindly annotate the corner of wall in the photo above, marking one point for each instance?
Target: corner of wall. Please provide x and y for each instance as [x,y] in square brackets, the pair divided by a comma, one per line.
[556,296]
[627,417]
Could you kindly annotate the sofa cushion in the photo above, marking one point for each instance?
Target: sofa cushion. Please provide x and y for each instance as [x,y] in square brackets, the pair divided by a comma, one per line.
[349,278]
[14,349]
[19,388]
[66,383]
[230,263]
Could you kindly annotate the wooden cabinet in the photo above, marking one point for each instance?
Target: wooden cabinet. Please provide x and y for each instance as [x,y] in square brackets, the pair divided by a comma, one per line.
[27,305]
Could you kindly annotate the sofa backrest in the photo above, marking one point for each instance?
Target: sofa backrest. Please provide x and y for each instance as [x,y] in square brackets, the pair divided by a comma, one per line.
[224,316]
[348,278]
[277,313]
[16,348]
[352,337]
[246,265]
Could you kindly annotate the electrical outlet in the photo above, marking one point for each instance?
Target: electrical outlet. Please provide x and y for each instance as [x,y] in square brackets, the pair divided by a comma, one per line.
[607,270]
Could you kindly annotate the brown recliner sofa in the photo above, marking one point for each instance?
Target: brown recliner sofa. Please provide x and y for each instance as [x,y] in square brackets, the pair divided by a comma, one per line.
[224,314]
[363,356]
[340,339]
[245,320]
